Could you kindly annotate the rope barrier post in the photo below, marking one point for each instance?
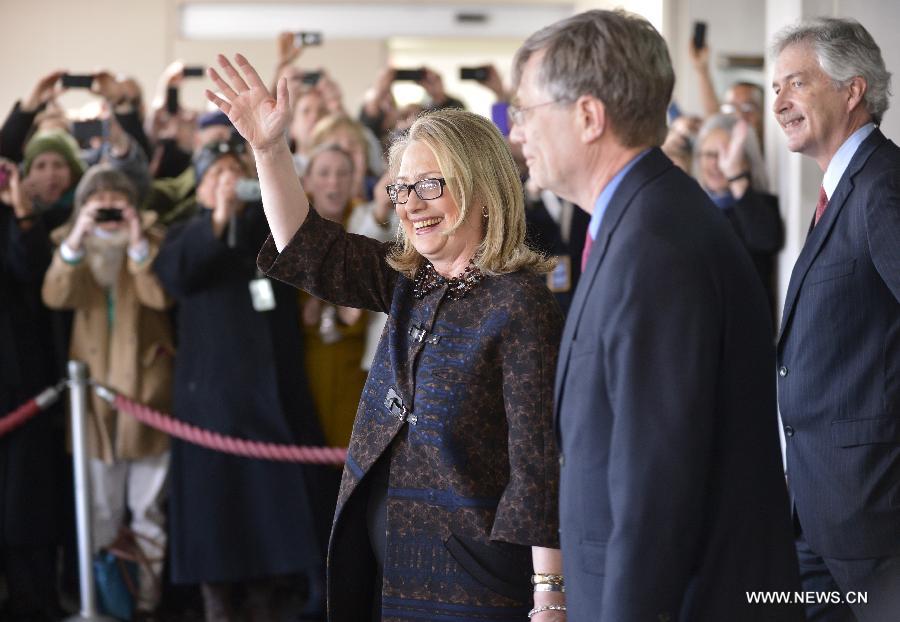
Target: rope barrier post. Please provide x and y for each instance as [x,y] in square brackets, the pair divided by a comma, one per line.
[78,392]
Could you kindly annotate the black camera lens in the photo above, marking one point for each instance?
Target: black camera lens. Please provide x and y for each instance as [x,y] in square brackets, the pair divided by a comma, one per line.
[108,214]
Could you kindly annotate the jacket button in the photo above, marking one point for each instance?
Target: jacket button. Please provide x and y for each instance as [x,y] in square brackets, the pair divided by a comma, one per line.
[788,430]
[782,371]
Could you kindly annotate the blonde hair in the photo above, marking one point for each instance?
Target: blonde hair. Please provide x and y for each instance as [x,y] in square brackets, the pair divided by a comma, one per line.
[480,173]
[324,130]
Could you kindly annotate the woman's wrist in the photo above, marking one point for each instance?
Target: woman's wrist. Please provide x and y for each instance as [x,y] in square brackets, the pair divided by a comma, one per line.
[73,241]
[556,610]
[270,153]
[549,595]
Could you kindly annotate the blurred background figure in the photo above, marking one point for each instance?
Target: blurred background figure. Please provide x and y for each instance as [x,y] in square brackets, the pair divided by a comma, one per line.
[102,271]
[349,135]
[335,336]
[730,168]
[241,528]
[52,169]
[743,99]
[31,457]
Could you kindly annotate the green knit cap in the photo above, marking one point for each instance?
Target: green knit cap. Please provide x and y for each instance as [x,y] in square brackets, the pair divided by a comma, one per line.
[57,141]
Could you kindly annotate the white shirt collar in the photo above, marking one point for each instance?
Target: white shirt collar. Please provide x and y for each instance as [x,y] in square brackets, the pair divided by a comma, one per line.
[842,158]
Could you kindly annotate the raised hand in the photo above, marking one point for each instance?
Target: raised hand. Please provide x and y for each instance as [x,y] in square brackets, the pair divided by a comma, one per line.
[45,90]
[495,83]
[257,116]
[699,57]
[731,159]
[85,221]
[14,194]
[434,86]
[107,86]
[288,49]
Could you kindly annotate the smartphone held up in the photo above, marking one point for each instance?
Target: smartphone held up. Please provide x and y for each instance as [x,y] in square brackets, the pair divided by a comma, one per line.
[409,75]
[77,81]
[479,74]
[304,39]
[698,39]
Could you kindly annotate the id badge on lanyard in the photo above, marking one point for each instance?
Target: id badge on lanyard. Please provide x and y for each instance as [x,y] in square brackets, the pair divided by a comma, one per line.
[261,293]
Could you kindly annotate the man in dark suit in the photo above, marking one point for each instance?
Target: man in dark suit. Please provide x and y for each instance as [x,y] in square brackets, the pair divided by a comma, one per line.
[673,504]
[839,348]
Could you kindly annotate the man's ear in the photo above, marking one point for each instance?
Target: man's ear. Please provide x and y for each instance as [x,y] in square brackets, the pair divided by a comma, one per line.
[856,91]
[591,118]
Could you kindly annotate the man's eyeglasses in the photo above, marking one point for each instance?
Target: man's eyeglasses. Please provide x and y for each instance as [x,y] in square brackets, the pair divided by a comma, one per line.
[425,189]
[745,107]
[516,114]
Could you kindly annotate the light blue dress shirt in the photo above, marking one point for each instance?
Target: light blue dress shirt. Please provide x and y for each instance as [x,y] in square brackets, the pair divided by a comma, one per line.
[607,193]
[842,157]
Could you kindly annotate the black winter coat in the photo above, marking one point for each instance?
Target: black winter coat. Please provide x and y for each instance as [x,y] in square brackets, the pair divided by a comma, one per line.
[238,372]
[32,457]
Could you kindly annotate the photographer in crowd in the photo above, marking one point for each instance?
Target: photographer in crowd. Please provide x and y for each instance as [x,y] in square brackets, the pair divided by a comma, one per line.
[102,271]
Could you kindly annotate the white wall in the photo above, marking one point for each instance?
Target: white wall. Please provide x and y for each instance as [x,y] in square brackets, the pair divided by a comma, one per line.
[38,36]
[734,27]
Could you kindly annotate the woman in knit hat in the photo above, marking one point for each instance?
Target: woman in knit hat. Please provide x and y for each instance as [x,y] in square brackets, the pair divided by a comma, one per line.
[102,270]
[52,169]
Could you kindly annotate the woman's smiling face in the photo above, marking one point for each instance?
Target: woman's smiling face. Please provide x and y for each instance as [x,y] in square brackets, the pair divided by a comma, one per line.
[426,223]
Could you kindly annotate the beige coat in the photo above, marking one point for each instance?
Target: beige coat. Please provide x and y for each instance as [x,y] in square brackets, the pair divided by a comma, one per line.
[135,357]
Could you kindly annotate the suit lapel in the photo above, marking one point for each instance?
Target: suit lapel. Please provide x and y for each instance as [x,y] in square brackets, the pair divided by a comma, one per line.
[820,232]
[648,168]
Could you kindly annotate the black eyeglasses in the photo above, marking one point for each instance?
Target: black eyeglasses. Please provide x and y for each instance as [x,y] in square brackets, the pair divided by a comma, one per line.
[426,189]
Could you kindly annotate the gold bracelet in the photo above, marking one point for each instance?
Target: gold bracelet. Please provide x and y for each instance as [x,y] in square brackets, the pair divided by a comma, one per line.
[554,579]
[549,587]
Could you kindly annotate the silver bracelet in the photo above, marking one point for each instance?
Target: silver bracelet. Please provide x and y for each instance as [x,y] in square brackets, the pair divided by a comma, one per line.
[549,587]
[537,610]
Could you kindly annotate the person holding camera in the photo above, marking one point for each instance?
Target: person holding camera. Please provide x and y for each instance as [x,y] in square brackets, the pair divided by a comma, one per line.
[241,528]
[102,271]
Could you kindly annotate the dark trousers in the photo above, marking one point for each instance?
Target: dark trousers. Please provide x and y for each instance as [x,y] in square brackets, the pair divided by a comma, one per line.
[275,599]
[874,583]
[31,583]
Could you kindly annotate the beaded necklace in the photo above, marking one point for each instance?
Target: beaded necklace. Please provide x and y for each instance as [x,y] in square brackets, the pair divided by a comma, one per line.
[427,279]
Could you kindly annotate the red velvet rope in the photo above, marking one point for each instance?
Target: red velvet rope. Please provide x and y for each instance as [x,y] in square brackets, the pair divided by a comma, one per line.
[227,444]
[29,409]
[19,416]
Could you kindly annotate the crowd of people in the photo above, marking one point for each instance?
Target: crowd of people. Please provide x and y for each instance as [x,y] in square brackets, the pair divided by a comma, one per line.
[547,348]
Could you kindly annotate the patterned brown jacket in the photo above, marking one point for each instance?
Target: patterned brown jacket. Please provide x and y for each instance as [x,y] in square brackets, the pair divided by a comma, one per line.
[459,400]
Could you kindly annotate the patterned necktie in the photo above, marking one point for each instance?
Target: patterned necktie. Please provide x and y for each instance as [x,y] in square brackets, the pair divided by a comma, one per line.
[588,242]
[821,205]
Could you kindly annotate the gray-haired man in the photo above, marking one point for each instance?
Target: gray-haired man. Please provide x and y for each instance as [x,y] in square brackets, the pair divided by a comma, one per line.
[673,504]
[839,349]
